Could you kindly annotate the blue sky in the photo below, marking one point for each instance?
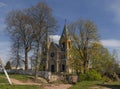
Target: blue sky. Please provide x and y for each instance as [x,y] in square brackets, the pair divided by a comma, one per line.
[104,13]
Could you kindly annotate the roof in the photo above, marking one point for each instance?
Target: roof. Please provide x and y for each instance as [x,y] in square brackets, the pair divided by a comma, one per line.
[55,45]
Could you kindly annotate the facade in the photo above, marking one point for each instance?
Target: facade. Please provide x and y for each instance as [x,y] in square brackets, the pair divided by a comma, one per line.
[55,56]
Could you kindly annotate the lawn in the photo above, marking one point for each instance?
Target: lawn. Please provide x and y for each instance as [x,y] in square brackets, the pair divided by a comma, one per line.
[88,84]
[5,85]
[3,79]
[23,78]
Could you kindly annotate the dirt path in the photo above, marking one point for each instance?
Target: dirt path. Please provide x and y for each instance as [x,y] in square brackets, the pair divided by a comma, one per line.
[59,86]
[50,86]
[45,86]
[17,82]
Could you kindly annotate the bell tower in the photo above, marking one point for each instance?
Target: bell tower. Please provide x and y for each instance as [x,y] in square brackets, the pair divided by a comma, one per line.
[65,41]
[65,44]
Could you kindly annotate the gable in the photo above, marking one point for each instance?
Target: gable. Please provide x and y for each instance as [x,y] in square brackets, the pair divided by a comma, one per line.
[54,46]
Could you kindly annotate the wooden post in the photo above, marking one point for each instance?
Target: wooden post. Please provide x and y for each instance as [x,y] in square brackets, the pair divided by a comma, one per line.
[6,74]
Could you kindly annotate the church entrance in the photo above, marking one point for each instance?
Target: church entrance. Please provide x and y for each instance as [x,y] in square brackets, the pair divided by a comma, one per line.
[52,68]
[63,67]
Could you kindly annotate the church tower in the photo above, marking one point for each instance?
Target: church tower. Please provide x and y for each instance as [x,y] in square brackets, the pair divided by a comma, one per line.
[65,44]
[65,41]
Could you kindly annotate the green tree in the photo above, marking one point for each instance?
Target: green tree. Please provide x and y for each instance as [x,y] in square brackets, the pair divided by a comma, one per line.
[103,61]
[83,33]
[8,65]
[74,60]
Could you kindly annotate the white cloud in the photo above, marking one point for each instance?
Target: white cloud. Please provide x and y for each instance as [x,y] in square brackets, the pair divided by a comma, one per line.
[55,38]
[111,43]
[2,4]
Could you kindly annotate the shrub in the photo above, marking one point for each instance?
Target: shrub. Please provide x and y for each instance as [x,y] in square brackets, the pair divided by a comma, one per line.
[93,75]
[106,79]
[82,77]
[90,75]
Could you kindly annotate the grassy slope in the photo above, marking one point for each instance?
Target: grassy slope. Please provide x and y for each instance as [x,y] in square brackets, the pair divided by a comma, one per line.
[87,84]
[19,87]
[23,78]
[19,77]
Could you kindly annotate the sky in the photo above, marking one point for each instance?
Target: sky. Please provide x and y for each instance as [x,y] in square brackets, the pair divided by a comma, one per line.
[105,14]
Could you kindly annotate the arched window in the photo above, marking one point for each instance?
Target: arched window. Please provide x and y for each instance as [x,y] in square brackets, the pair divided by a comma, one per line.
[63,46]
[68,44]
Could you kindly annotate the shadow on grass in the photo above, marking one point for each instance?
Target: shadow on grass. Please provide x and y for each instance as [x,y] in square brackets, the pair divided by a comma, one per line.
[110,86]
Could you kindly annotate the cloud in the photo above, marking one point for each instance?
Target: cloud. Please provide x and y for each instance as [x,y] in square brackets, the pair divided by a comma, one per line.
[2,4]
[55,38]
[113,43]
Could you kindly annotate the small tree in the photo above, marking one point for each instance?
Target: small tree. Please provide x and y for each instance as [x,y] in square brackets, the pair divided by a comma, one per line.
[8,65]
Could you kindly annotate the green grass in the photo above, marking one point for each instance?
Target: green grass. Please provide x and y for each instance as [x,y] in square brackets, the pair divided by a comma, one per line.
[6,86]
[3,79]
[23,78]
[88,84]
[85,84]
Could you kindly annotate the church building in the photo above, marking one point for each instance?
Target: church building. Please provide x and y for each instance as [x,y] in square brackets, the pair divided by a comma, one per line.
[55,56]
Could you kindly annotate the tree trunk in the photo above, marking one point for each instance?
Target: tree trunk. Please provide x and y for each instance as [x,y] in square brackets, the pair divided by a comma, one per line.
[37,58]
[26,59]
[85,65]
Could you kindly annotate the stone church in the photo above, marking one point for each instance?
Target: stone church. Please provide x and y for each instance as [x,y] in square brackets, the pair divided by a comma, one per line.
[55,56]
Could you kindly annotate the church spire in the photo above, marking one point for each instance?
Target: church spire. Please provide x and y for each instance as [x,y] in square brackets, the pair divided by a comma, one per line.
[65,30]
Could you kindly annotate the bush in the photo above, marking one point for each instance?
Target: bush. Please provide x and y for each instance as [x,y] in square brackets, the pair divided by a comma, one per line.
[82,77]
[90,75]
[106,79]
[93,75]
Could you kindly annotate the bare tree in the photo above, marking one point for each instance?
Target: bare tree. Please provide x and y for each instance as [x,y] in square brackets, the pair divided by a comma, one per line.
[83,34]
[16,55]
[19,24]
[44,22]
[31,26]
